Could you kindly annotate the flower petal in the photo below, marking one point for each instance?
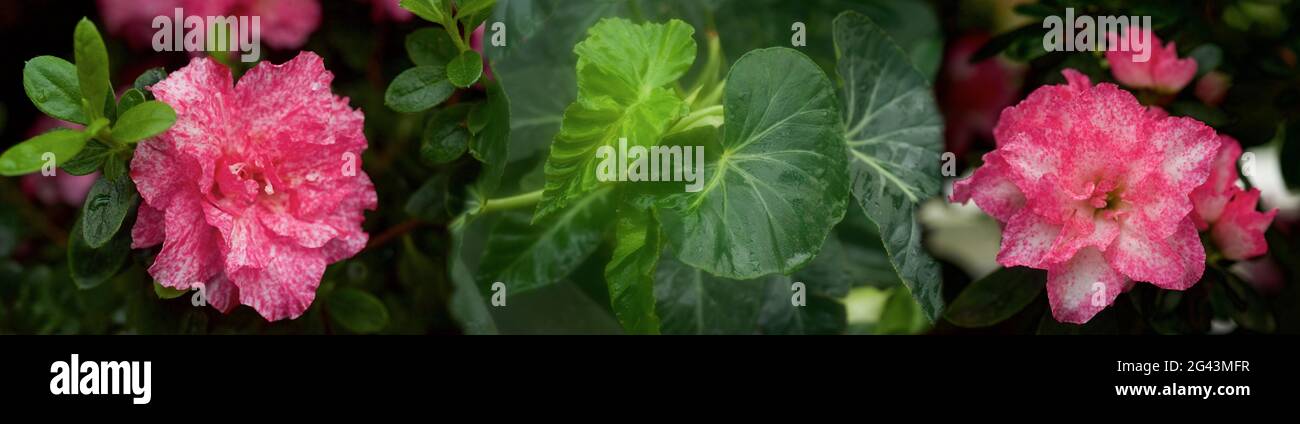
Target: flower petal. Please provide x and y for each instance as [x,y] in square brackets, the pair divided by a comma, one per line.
[990,189]
[1239,233]
[1026,240]
[191,251]
[286,287]
[1081,287]
[150,228]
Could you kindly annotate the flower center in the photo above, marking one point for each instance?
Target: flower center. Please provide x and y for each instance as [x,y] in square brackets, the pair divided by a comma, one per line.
[1103,196]
[240,183]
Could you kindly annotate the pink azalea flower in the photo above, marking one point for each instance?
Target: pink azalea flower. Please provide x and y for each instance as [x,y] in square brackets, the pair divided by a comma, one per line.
[132,20]
[476,43]
[1212,88]
[1227,211]
[256,188]
[389,10]
[1164,72]
[1093,187]
[973,94]
[286,24]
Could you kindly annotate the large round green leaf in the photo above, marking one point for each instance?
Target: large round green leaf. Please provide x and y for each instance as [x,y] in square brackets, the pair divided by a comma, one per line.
[894,133]
[780,183]
[690,301]
[526,256]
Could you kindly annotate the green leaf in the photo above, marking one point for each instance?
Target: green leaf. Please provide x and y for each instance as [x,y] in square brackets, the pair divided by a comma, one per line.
[436,11]
[527,256]
[692,301]
[27,157]
[537,67]
[167,292]
[357,310]
[146,80]
[429,202]
[491,145]
[146,120]
[624,75]
[106,208]
[92,66]
[996,297]
[630,273]
[465,69]
[91,267]
[471,7]
[467,303]
[430,47]
[418,89]
[779,185]
[51,84]
[894,132]
[444,138]
[820,315]
[131,98]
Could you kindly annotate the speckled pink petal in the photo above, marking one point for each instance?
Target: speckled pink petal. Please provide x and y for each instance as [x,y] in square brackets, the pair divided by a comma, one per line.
[1157,261]
[157,172]
[191,251]
[1083,286]
[1239,233]
[990,189]
[286,287]
[1082,231]
[1026,240]
[306,234]
[222,294]
[1187,243]
[202,95]
[150,227]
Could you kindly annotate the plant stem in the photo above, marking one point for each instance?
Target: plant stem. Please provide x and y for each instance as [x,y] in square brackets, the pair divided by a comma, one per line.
[393,233]
[512,202]
[453,31]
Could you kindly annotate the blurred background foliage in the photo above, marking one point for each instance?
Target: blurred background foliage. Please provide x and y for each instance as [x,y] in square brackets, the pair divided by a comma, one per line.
[402,283]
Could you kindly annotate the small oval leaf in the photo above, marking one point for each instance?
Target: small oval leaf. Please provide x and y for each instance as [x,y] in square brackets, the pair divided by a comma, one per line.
[418,89]
[357,310]
[996,297]
[465,69]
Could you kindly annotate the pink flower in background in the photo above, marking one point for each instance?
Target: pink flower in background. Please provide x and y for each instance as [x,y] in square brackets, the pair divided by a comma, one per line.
[256,188]
[132,20]
[62,188]
[389,10]
[1212,88]
[1163,73]
[1094,188]
[1227,211]
[286,24]
[973,94]
[476,43]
